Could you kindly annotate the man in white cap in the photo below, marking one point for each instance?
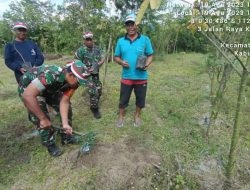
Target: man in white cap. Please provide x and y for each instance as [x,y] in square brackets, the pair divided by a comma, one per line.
[134,53]
[93,57]
[22,54]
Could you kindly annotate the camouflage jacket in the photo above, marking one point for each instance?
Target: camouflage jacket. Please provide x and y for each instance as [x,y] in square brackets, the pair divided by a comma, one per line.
[89,55]
[49,79]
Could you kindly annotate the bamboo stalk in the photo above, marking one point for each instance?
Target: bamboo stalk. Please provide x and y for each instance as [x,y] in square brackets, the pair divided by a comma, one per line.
[107,58]
[236,129]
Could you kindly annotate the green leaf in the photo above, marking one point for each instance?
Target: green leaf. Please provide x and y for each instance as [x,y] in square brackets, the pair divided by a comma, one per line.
[142,10]
[155,4]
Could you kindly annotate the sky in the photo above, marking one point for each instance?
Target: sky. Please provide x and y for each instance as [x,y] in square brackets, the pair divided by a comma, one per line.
[4,4]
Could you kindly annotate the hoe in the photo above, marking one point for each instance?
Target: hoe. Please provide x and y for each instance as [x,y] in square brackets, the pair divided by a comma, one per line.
[87,140]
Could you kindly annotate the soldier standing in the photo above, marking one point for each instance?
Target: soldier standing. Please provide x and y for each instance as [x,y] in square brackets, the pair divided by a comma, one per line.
[93,57]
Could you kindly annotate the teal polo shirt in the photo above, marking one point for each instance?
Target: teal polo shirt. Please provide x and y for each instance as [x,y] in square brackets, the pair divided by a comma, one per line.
[129,51]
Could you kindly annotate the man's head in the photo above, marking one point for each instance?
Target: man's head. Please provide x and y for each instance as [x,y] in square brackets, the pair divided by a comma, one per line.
[88,39]
[131,27]
[20,29]
[77,73]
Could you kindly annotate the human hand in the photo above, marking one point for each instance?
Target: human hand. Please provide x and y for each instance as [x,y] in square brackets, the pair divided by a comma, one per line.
[145,67]
[67,129]
[22,70]
[100,63]
[125,64]
[45,123]
[90,70]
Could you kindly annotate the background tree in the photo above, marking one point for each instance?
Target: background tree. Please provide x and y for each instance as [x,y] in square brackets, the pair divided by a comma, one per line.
[36,14]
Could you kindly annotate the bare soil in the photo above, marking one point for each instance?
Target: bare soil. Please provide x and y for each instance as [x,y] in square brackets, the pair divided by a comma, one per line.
[122,165]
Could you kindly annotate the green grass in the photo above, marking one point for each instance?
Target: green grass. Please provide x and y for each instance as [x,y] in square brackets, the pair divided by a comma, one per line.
[177,98]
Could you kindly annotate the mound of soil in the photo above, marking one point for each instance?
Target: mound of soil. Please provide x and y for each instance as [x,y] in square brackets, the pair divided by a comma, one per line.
[122,165]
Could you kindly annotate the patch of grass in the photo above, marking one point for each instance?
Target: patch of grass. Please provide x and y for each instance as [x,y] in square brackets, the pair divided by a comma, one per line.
[177,99]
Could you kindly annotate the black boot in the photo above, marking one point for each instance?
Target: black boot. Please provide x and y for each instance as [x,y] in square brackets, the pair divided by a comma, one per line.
[96,113]
[68,139]
[54,150]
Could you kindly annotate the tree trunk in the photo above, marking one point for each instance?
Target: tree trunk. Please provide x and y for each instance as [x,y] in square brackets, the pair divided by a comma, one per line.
[175,42]
[212,100]
[216,99]
[107,58]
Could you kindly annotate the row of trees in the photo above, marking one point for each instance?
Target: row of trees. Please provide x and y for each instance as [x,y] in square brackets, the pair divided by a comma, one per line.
[59,29]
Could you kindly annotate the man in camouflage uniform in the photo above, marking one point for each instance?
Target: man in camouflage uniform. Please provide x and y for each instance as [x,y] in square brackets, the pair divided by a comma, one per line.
[93,57]
[54,86]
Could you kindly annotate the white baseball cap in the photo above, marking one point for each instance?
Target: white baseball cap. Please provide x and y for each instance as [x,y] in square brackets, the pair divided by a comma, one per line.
[88,35]
[131,17]
[20,25]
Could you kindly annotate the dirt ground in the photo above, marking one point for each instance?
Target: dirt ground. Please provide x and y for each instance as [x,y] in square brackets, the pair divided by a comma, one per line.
[123,164]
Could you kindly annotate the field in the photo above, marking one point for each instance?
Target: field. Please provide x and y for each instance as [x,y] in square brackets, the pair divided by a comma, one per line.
[169,150]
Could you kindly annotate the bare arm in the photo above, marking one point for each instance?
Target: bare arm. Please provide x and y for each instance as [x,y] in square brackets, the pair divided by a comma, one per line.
[30,101]
[64,110]
[121,62]
[148,61]
[101,61]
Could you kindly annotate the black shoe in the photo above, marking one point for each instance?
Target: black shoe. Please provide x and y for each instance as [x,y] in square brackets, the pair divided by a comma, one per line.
[68,139]
[54,150]
[96,113]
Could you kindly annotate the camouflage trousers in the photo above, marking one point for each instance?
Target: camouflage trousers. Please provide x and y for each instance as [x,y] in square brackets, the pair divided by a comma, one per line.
[48,135]
[94,91]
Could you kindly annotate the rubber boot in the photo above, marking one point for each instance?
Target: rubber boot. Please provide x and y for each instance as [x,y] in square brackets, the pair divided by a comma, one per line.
[54,150]
[68,139]
[96,113]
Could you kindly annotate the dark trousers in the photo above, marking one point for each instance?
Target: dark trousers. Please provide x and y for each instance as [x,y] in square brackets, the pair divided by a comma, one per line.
[140,91]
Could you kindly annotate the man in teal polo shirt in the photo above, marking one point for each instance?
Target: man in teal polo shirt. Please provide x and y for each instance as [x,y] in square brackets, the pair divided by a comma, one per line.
[132,49]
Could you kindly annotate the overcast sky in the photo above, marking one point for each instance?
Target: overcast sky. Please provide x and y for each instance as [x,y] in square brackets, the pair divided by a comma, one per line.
[4,4]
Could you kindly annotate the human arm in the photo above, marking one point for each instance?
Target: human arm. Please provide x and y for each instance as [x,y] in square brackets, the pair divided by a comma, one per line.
[30,101]
[64,109]
[148,61]
[149,53]
[118,55]
[101,61]
[121,62]
[80,53]
[9,57]
[101,58]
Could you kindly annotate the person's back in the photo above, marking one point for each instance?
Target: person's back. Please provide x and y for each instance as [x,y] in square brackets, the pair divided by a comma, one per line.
[51,75]
[21,54]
